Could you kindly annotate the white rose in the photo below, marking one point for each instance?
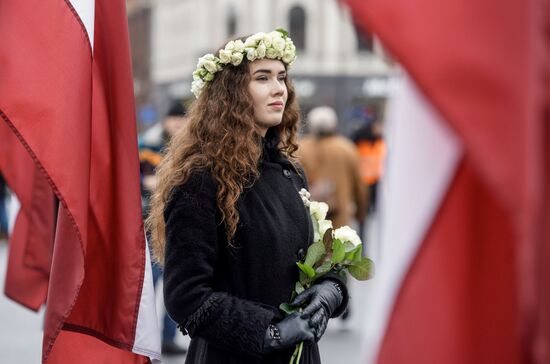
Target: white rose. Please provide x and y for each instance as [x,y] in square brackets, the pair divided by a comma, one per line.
[225,56]
[260,51]
[288,57]
[324,225]
[250,42]
[210,66]
[230,46]
[345,233]
[268,40]
[196,87]
[204,59]
[271,53]
[236,59]
[279,43]
[251,54]
[318,210]
[239,45]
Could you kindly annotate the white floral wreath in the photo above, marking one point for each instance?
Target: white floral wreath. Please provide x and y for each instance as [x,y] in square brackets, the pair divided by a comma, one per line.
[274,45]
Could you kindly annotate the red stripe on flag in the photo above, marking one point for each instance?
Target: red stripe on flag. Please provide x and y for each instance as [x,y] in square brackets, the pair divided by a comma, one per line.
[32,238]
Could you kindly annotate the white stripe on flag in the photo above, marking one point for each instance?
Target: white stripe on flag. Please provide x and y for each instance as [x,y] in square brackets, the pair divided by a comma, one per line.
[86,11]
[147,340]
[423,156]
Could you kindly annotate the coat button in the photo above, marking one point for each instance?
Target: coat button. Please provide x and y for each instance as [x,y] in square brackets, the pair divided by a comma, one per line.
[286,172]
[301,254]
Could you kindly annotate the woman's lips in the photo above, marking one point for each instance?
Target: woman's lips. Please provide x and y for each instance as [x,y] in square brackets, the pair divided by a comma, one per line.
[277,105]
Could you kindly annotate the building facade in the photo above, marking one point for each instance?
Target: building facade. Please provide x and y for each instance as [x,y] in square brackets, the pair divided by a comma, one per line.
[336,64]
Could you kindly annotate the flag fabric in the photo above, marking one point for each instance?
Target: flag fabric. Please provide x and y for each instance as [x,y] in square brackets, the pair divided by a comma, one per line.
[462,274]
[31,241]
[66,94]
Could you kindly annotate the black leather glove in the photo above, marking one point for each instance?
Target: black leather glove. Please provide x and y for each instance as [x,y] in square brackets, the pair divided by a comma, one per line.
[289,332]
[323,298]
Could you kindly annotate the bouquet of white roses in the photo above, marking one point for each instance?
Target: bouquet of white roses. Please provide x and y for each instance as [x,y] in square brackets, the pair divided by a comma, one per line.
[333,250]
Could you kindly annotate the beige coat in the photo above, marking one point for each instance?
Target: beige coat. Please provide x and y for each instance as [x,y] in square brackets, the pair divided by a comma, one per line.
[332,163]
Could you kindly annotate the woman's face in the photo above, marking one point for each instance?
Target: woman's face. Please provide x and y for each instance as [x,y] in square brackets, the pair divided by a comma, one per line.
[267,88]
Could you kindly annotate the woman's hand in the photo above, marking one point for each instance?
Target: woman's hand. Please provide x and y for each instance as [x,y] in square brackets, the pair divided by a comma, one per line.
[290,331]
[323,299]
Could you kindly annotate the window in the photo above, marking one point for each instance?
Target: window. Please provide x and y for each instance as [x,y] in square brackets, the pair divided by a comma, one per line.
[231,21]
[297,29]
[365,40]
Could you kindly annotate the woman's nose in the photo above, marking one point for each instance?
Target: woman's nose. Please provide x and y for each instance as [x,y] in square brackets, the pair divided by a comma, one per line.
[279,88]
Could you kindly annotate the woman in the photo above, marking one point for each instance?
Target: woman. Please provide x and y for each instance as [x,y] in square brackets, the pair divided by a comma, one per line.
[227,220]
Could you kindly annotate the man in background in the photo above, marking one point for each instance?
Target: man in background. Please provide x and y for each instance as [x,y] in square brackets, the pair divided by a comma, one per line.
[331,163]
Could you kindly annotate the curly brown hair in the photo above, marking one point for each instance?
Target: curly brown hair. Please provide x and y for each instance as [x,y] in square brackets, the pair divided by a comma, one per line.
[220,135]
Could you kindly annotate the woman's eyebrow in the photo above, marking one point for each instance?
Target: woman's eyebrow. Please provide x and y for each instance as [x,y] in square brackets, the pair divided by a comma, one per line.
[267,71]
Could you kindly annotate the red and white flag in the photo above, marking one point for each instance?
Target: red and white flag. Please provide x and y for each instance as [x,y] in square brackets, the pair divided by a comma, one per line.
[462,276]
[66,94]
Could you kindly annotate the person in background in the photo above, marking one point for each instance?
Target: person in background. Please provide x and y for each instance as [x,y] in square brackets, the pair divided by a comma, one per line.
[331,163]
[372,153]
[228,220]
[150,155]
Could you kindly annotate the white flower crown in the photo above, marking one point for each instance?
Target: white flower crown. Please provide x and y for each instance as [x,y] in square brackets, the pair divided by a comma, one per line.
[274,45]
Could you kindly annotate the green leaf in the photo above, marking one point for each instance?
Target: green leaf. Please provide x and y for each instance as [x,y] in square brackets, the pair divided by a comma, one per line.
[283,32]
[338,251]
[306,269]
[314,253]
[362,270]
[299,288]
[323,268]
[288,309]
[349,246]
[354,255]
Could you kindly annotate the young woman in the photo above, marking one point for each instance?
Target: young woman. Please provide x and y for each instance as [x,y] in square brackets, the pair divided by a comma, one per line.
[227,220]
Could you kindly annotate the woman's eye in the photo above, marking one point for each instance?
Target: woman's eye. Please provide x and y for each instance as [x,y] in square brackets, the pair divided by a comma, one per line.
[262,78]
[282,78]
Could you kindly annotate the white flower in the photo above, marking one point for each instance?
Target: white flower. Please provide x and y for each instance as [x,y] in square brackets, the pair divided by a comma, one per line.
[251,54]
[271,53]
[260,51]
[268,40]
[288,57]
[230,46]
[210,66]
[324,225]
[225,56]
[236,59]
[345,233]
[204,59]
[279,43]
[318,210]
[239,45]
[197,86]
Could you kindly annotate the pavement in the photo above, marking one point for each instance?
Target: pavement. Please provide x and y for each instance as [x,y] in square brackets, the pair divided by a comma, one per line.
[21,329]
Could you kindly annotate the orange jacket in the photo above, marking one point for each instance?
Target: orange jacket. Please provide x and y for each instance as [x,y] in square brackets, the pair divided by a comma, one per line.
[371,160]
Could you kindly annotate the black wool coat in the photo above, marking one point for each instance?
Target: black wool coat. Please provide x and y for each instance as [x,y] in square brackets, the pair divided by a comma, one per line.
[225,297]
